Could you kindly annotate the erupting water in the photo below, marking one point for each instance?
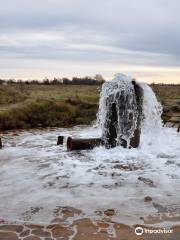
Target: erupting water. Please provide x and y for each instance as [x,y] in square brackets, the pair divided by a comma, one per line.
[124,108]
[152,110]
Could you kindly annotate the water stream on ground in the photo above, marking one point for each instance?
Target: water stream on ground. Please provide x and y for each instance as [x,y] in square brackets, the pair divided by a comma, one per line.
[37,177]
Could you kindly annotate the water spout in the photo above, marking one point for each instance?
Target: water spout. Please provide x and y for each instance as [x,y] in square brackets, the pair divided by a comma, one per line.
[120,112]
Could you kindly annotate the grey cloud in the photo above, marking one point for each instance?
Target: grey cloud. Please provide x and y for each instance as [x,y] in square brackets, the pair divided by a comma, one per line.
[117,31]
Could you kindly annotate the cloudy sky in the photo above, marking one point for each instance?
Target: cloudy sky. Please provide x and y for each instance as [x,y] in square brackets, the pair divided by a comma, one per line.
[56,38]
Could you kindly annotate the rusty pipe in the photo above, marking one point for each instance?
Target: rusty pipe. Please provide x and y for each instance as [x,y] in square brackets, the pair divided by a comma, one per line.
[1,144]
[82,143]
[60,140]
[178,130]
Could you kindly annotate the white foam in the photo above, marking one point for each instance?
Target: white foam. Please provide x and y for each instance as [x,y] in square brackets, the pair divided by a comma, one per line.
[37,173]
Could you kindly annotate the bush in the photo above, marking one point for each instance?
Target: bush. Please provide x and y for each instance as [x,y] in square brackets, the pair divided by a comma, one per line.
[47,113]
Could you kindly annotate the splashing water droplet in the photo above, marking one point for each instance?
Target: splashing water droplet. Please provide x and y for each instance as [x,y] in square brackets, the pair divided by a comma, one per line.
[120,113]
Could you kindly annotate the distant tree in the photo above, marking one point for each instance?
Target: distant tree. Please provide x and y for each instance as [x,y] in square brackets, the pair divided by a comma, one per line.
[56,81]
[19,81]
[46,81]
[36,82]
[2,81]
[98,77]
[11,81]
[66,81]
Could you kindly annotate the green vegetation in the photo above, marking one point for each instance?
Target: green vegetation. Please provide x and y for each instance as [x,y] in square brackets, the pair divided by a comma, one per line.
[169,96]
[34,105]
[31,106]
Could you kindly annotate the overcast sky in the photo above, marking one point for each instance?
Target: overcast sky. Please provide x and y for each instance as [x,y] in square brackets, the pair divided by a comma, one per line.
[56,38]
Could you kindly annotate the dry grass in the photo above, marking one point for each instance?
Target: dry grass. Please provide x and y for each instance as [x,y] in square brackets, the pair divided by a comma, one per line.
[29,106]
[165,92]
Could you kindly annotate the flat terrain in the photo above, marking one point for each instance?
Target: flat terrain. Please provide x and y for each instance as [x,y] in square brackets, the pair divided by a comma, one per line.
[24,106]
[32,106]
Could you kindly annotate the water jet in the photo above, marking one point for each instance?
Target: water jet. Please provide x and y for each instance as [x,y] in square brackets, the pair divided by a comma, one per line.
[119,115]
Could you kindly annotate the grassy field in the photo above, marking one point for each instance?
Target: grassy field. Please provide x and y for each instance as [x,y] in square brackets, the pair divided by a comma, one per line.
[32,106]
[169,96]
